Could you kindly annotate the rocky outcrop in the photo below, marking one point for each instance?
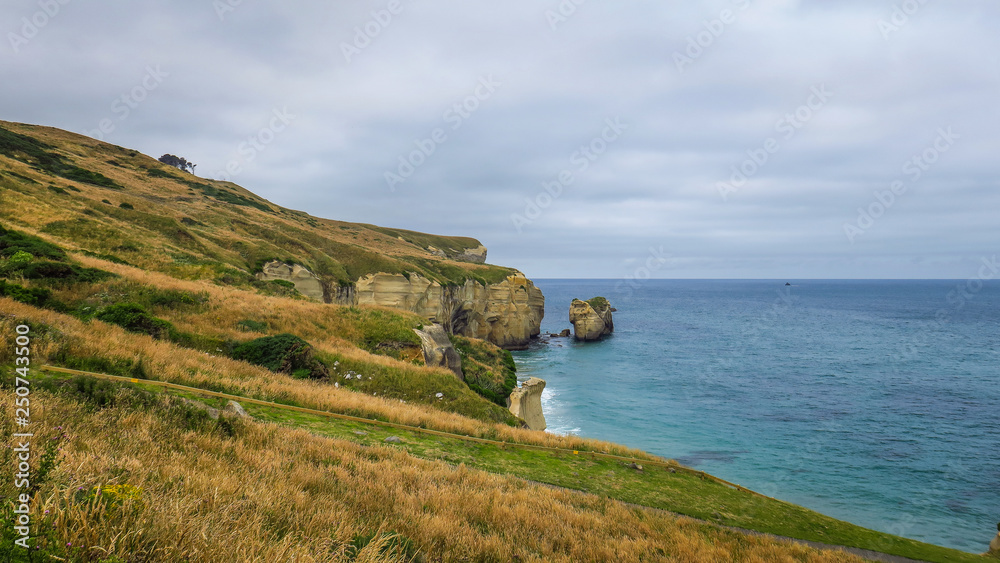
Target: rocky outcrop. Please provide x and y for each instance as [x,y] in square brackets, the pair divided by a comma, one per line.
[525,402]
[305,282]
[474,255]
[508,314]
[591,319]
[995,544]
[438,350]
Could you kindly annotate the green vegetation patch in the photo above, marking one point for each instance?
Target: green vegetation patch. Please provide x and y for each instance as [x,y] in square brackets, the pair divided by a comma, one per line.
[283,353]
[134,318]
[38,297]
[39,155]
[599,304]
[489,370]
[12,242]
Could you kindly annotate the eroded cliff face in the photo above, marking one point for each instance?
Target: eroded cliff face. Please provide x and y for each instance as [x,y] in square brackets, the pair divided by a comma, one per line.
[305,281]
[526,402]
[508,314]
[438,350]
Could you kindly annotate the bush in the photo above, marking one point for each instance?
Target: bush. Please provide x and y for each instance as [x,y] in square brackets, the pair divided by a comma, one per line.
[12,242]
[126,205]
[489,370]
[284,353]
[37,297]
[63,272]
[134,318]
[172,298]
[248,325]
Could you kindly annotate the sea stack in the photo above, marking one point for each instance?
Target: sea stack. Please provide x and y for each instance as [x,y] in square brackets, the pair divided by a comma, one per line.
[525,402]
[591,319]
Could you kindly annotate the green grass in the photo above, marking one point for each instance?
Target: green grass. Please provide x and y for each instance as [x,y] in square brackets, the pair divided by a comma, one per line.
[283,353]
[682,491]
[599,303]
[414,386]
[489,370]
[39,155]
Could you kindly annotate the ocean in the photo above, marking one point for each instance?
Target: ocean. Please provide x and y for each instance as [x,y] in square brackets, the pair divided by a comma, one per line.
[875,402]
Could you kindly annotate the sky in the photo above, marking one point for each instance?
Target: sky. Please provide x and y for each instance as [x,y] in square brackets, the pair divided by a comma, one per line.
[575,138]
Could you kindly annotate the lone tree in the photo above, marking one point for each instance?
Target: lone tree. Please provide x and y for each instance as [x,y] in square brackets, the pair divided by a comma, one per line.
[178,162]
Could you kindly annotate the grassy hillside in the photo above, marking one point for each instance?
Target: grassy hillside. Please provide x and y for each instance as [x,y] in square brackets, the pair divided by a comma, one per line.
[161,289]
[128,207]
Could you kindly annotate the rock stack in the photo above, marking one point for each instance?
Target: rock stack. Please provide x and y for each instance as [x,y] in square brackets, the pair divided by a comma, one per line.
[591,319]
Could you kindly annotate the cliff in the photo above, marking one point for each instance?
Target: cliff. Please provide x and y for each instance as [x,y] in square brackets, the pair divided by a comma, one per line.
[526,402]
[508,313]
[592,319]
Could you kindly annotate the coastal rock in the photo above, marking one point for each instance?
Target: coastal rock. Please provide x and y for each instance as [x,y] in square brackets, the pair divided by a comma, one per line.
[305,281]
[474,255]
[234,409]
[995,544]
[525,402]
[591,319]
[508,314]
[438,350]
[565,333]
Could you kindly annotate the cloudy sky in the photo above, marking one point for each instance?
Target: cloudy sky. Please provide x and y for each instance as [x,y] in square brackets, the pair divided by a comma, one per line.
[575,138]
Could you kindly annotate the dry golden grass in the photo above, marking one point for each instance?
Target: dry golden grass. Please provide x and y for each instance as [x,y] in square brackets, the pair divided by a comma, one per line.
[268,493]
[167,362]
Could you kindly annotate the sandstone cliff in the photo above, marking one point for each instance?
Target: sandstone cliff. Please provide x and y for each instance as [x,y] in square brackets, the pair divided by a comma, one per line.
[438,350]
[305,282]
[591,319]
[508,314]
[526,402]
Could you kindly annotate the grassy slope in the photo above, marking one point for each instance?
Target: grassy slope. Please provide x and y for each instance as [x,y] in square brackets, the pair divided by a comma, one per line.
[190,227]
[195,489]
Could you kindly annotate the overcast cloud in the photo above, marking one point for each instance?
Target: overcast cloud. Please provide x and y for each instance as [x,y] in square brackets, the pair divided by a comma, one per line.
[838,97]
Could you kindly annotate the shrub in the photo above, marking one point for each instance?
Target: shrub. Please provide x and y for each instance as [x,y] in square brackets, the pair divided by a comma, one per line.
[63,272]
[37,297]
[134,318]
[489,370]
[283,353]
[12,242]
[172,298]
[124,205]
[248,325]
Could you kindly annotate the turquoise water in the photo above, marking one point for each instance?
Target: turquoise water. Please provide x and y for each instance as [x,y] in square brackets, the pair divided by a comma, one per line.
[876,402]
